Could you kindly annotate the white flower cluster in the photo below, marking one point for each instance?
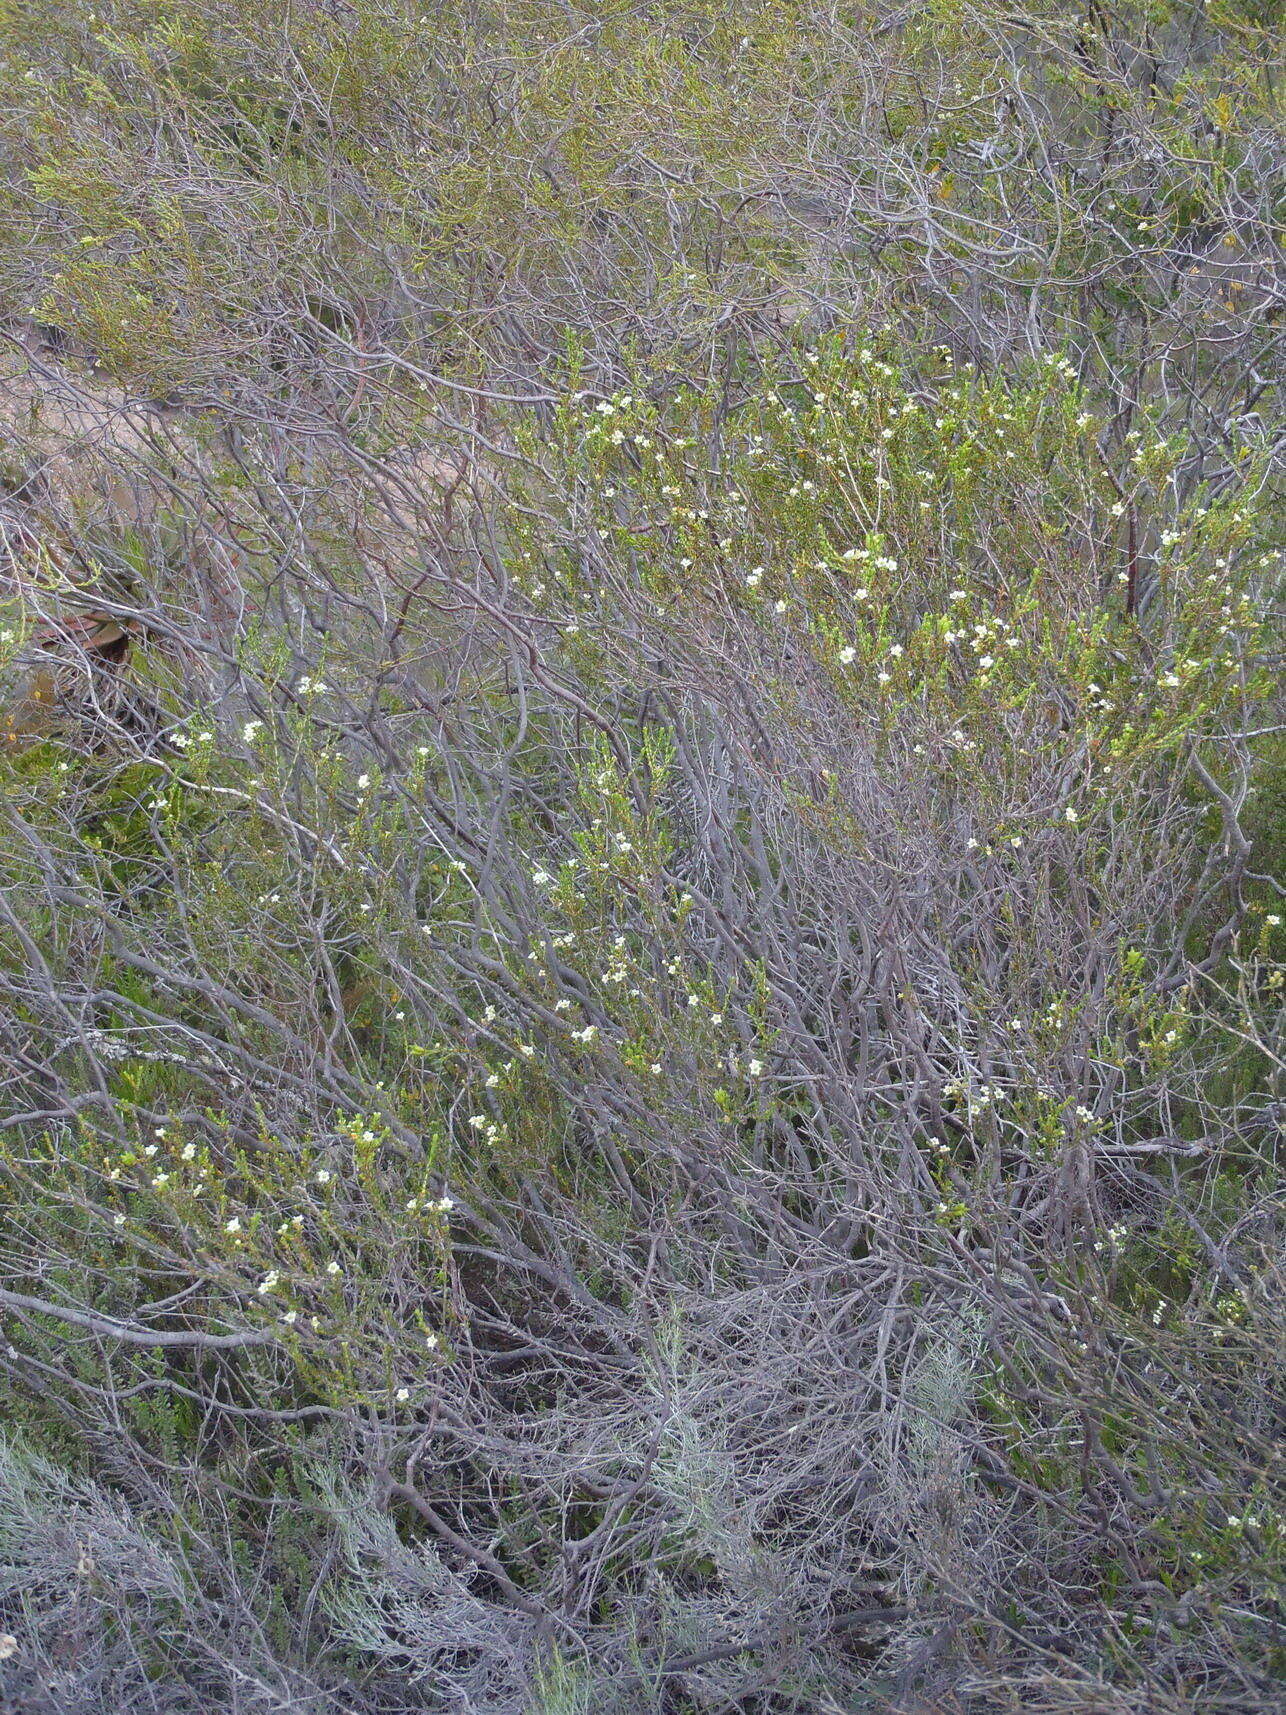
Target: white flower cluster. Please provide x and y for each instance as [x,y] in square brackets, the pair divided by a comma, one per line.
[1114,1239]
[975,1101]
[432,1206]
[882,562]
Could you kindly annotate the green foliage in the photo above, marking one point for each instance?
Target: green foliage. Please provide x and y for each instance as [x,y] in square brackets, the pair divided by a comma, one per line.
[640,999]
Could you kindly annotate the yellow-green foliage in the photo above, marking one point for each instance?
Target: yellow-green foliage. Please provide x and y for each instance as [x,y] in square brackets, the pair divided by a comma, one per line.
[640,998]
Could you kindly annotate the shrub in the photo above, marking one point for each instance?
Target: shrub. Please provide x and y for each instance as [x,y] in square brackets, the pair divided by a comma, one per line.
[640,1014]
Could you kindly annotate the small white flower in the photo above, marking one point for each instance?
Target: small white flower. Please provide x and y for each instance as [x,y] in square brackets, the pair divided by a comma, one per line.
[323,1176]
[268,1282]
[1069,814]
[987,661]
[363,781]
[402,1395]
[8,1645]
[847,655]
[754,1067]
[656,1069]
[332,1267]
[431,1341]
[249,730]
[290,1318]
[1273,920]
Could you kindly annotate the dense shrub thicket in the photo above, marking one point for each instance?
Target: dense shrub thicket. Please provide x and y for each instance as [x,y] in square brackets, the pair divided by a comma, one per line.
[640,969]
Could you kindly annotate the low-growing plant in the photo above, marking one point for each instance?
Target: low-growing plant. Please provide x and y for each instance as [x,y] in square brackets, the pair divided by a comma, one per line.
[640,1057]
